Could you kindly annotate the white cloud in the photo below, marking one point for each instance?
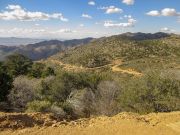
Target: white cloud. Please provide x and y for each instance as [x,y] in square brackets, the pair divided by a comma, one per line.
[169,12]
[153,13]
[166,29]
[65,31]
[128,2]
[130,23]
[111,9]
[109,21]
[164,12]
[86,16]
[17,31]
[13,7]
[58,16]
[34,32]
[54,32]
[92,3]
[16,12]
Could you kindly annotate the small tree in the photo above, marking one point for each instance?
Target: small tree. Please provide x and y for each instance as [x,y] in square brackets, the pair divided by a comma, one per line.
[5,84]
[39,70]
[17,64]
[36,70]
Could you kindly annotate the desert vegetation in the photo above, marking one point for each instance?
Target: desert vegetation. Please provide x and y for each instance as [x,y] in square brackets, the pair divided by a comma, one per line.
[120,75]
[33,87]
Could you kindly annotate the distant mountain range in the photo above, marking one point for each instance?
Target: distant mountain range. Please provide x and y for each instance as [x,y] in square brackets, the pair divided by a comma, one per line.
[42,49]
[14,41]
[94,48]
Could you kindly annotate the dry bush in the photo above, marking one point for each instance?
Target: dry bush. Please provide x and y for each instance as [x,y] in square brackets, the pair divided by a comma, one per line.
[24,91]
[106,98]
[81,102]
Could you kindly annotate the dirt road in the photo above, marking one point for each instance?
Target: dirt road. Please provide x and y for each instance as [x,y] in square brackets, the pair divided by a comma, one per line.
[114,67]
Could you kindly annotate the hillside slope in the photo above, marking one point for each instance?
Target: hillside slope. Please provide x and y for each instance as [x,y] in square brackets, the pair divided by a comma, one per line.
[137,51]
[121,124]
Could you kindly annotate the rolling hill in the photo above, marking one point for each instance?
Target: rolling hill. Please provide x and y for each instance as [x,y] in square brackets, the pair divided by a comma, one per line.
[136,51]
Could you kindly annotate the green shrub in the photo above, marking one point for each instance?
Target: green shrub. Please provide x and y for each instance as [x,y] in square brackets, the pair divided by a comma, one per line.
[5,84]
[17,64]
[38,106]
[48,71]
[59,88]
[151,93]
[40,70]
[68,109]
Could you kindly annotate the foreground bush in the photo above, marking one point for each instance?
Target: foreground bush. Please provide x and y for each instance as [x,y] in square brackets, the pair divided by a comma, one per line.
[23,91]
[74,95]
[151,93]
[58,89]
[38,106]
[106,97]
[81,102]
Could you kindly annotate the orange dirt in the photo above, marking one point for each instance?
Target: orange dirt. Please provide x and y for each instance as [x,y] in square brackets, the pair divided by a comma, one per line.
[114,67]
[121,124]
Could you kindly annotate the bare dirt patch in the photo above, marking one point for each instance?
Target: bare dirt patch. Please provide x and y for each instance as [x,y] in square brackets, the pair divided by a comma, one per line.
[114,67]
[121,124]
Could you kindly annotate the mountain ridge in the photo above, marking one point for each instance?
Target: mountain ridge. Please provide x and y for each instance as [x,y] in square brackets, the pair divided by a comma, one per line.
[16,41]
[42,49]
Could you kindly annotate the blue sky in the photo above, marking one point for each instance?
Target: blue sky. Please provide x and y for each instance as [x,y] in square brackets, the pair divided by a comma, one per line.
[66,19]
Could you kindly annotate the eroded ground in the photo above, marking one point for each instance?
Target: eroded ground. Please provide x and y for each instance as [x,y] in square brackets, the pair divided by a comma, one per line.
[121,124]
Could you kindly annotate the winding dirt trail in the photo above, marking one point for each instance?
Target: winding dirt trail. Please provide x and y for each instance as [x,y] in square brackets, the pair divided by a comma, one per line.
[114,67]
[128,71]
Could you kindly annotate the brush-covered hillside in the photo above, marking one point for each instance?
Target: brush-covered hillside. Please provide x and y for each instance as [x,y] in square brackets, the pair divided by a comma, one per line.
[136,50]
